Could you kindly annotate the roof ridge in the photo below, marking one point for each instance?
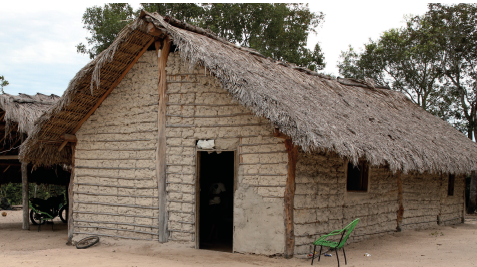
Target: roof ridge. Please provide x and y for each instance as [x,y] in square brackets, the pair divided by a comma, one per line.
[367,83]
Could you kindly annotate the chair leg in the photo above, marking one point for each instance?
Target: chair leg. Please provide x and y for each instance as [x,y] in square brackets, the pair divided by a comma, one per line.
[346,263]
[336,250]
[313,252]
[319,256]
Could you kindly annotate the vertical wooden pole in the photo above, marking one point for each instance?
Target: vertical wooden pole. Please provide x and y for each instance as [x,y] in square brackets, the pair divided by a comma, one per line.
[400,212]
[473,193]
[25,196]
[161,138]
[71,196]
[464,209]
[290,199]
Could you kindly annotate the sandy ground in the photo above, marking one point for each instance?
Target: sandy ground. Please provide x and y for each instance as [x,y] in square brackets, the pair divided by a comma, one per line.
[441,246]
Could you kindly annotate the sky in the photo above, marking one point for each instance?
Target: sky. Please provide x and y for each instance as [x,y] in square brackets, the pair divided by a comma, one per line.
[38,39]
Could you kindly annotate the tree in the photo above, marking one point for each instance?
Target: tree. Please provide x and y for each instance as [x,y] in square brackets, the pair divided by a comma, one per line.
[455,29]
[187,12]
[3,83]
[434,61]
[279,31]
[104,24]
[405,59]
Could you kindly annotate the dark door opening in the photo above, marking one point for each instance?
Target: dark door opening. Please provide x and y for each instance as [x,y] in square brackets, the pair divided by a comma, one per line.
[216,195]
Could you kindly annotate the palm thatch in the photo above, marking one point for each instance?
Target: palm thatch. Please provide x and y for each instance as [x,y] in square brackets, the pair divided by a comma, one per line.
[355,119]
[24,109]
[18,113]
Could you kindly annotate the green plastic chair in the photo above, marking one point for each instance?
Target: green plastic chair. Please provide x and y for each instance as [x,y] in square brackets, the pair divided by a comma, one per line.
[322,242]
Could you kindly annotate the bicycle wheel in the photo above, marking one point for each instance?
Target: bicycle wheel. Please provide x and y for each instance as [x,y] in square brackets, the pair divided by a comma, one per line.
[87,242]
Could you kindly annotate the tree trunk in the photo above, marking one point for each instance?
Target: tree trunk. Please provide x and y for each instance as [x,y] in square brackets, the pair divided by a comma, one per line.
[473,193]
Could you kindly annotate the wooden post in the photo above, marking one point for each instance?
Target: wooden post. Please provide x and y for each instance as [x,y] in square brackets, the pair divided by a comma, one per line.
[464,209]
[473,193]
[161,137]
[25,196]
[290,199]
[400,212]
[70,197]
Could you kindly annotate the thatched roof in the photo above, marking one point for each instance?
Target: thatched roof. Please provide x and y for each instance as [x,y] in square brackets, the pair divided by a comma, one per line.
[355,119]
[18,114]
[24,109]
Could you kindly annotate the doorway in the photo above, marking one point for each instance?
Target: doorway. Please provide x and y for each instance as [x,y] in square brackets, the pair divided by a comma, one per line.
[215,197]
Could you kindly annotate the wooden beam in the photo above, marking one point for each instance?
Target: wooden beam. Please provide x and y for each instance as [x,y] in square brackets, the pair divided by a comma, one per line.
[152,30]
[472,193]
[279,134]
[464,209]
[8,157]
[25,196]
[106,94]
[31,101]
[161,136]
[62,145]
[71,185]
[10,164]
[69,138]
[3,116]
[400,211]
[6,169]
[290,199]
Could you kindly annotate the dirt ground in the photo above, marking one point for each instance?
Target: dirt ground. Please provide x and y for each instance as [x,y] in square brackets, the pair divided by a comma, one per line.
[441,246]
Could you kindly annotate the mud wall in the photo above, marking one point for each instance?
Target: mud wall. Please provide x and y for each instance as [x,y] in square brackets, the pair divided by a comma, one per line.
[115,188]
[322,203]
[198,108]
[426,201]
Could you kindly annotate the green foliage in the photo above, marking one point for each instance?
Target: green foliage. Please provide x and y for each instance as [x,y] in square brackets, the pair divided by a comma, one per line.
[432,59]
[279,31]
[104,24]
[402,58]
[13,191]
[3,83]
[454,28]
[187,12]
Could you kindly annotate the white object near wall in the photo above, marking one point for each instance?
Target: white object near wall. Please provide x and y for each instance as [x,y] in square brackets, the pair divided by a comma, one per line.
[205,144]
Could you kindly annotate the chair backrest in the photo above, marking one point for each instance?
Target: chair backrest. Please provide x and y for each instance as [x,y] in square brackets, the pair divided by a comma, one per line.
[346,232]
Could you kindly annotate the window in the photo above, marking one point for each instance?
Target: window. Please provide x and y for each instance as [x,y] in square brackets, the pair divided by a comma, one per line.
[450,187]
[357,178]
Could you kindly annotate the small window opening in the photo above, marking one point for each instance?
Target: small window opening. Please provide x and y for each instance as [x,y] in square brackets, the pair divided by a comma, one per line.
[357,178]
[450,187]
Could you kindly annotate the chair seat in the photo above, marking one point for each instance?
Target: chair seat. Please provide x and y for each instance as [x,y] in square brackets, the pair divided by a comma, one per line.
[326,243]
